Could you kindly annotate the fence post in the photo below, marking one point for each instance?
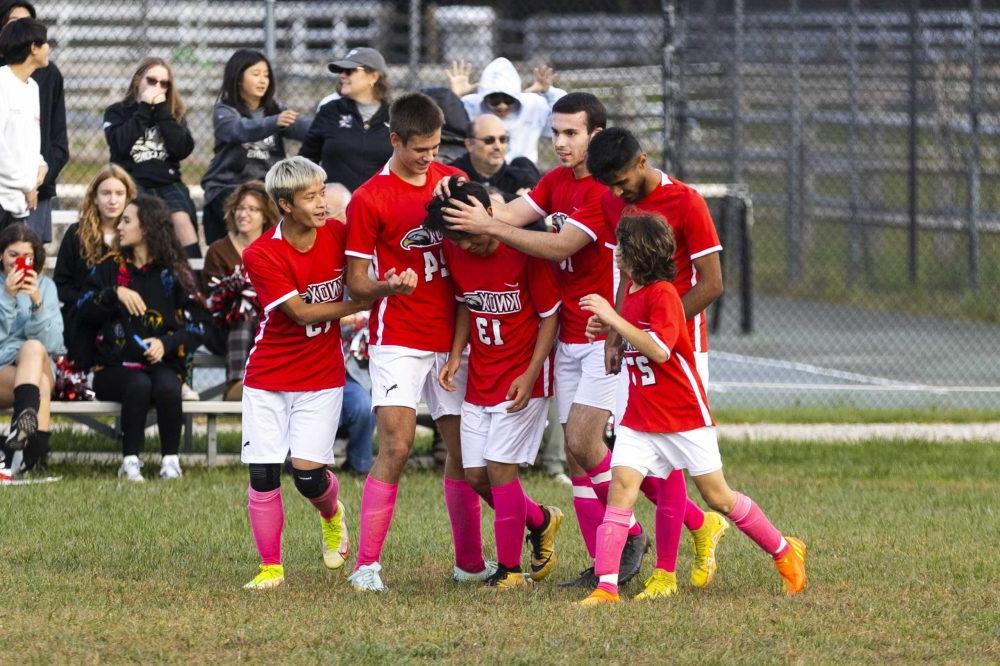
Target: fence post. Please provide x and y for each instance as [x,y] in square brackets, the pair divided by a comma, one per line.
[975,19]
[669,84]
[736,85]
[794,211]
[416,21]
[269,30]
[856,226]
[913,110]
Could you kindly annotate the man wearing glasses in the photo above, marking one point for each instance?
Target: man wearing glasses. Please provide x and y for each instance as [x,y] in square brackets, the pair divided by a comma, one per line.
[485,162]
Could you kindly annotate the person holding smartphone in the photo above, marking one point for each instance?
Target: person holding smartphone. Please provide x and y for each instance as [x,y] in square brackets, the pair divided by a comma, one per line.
[30,335]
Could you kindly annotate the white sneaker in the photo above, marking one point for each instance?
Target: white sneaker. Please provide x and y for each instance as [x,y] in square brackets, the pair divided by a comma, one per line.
[366,578]
[188,393]
[560,477]
[170,468]
[463,576]
[130,469]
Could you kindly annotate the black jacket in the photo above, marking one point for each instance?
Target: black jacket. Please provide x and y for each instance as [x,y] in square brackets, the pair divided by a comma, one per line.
[173,315]
[147,141]
[348,149]
[70,275]
[55,142]
[521,172]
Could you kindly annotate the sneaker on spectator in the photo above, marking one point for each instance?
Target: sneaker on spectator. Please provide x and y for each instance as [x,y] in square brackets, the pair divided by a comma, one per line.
[170,468]
[188,393]
[130,469]
[23,426]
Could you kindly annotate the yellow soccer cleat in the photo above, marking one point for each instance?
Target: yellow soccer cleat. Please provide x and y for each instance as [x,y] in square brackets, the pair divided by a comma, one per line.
[543,544]
[706,540]
[600,597]
[270,575]
[336,541]
[507,579]
[792,566]
[661,584]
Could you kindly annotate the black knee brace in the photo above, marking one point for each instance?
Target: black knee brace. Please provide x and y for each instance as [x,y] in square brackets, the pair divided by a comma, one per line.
[311,482]
[265,478]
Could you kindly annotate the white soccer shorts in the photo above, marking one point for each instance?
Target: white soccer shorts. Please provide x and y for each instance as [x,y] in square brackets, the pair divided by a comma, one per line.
[658,454]
[402,377]
[490,433]
[302,422]
[580,378]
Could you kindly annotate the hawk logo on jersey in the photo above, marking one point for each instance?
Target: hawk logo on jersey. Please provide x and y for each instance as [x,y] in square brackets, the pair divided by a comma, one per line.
[493,302]
[557,221]
[421,237]
[324,292]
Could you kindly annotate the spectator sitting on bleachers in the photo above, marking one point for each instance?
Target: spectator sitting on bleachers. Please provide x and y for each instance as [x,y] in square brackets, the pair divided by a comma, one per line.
[142,302]
[249,212]
[147,135]
[30,336]
[349,137]
[24,46]
[485,162]
[85,243]
[52,124]
[525,114]
[250,128]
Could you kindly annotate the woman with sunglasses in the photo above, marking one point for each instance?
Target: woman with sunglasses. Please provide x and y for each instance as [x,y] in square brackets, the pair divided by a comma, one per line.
[147,135]
[349,137]
[525,114]
[250,129]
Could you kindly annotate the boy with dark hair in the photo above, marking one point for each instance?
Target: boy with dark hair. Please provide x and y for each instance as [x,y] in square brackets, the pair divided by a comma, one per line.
[54,140]
[24,46]
[411,328]
[507,317]
[294,384]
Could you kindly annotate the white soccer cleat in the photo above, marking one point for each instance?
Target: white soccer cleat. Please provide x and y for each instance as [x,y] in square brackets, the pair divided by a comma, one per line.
[170,468]
[366,578]
[130,469]
[462,576]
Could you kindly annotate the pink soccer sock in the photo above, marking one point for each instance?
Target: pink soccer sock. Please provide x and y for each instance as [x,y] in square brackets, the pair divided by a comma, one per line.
[589,511]
[267,519]
[611,536]
[649,487]
[672,496]
[508,523]
[378,501]
[534,516]
[694,517]
[747,516]
[464,512]
[327,502]
[600,479]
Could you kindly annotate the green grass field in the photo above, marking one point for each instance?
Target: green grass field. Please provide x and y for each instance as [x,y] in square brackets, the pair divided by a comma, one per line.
[902,568]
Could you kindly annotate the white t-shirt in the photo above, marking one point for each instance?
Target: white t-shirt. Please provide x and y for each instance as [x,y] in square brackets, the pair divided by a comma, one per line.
[20,141]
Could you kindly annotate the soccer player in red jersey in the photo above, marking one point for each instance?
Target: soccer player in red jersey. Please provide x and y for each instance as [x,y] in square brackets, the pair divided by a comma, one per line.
[667,424]
[411,328]
[295,372]
[507,317]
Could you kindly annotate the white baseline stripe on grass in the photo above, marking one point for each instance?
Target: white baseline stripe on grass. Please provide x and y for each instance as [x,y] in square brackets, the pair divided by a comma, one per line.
[807,368]
[722,387]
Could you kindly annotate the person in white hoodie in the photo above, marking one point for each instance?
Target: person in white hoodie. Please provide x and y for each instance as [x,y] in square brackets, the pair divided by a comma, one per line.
[24,46]
[525,113]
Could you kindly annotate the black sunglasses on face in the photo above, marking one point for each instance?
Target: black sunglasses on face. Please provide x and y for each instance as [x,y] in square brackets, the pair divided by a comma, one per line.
[162,83]
[490,140]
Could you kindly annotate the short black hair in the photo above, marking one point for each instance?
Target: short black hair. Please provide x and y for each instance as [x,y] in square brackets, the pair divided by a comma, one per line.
[17,38]
[611,151]
[415,114]
[232,82]
[465,192]
[575,102]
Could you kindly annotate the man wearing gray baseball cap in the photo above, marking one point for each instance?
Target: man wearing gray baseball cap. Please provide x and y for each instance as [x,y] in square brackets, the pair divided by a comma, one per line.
[349,136]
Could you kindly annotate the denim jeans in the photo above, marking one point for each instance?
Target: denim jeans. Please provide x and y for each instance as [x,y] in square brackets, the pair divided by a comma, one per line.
[357,418]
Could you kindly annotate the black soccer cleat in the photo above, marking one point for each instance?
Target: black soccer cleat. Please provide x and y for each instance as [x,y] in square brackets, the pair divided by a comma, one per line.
[635,548]
[587,580]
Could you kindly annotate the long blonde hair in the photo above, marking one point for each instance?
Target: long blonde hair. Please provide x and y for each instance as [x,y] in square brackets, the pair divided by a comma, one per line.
[88,231]
[174,102]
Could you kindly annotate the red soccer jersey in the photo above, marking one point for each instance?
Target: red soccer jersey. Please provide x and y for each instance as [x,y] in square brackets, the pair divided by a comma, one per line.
[286,356]
[694,232]
[507,294]
[384,224]
[592,269]
[669,396]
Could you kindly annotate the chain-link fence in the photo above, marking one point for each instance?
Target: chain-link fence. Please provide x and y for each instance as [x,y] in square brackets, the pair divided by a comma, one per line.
[865,133]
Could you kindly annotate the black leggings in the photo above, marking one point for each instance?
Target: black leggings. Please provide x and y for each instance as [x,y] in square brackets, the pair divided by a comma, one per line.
[136,390]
